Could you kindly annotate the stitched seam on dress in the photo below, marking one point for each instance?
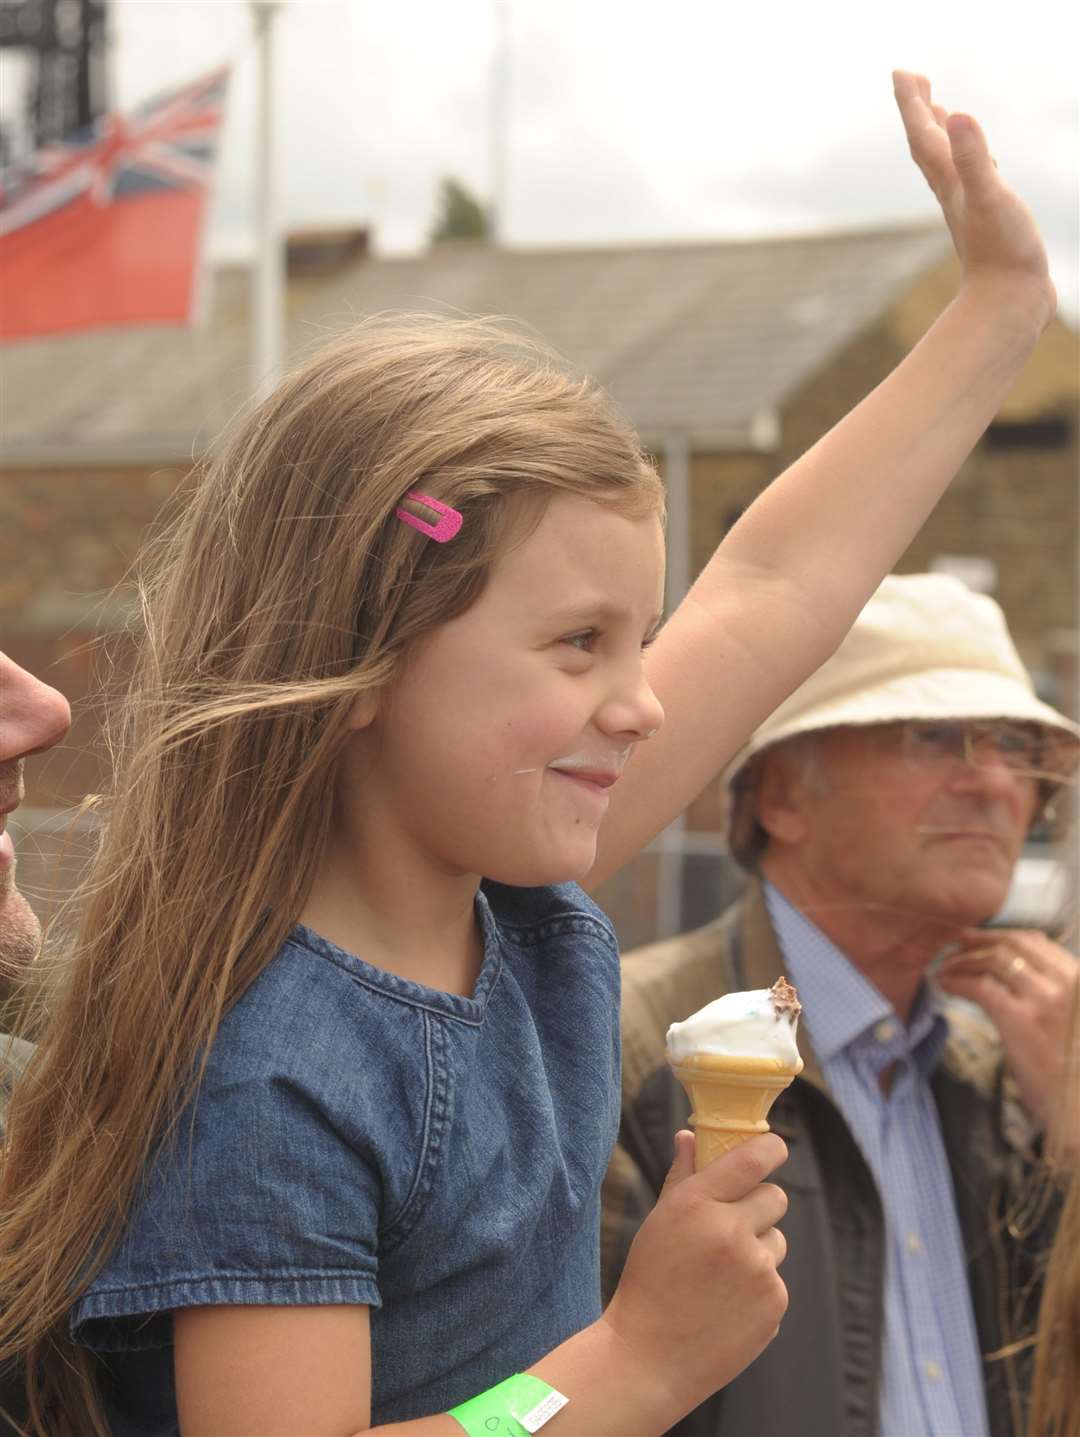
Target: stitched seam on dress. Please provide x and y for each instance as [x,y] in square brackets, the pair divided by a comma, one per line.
[245,1275]
[431,1138]
[386,985]
[539,928]
[426,1008]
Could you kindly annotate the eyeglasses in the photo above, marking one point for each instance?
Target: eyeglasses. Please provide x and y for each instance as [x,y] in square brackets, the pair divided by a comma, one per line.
[937,746]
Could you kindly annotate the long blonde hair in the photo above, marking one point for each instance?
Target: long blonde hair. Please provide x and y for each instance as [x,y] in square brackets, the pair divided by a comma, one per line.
[286,590]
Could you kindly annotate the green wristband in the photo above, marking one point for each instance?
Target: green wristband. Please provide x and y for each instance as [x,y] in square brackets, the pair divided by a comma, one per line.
[515,1408]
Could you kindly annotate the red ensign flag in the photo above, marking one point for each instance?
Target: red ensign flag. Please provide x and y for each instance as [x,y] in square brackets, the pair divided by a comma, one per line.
[105,229]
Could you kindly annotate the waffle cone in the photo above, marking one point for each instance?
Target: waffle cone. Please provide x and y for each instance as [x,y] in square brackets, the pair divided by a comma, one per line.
[730,1098]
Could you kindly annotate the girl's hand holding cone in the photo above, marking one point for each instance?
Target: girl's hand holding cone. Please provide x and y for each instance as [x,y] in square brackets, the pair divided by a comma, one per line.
[701,1295]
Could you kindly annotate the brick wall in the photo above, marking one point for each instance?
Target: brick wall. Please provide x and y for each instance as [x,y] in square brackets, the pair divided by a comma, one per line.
[68,540]
[1016,507]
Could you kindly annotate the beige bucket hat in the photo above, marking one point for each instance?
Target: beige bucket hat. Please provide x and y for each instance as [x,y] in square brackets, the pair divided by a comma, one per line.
[925,647]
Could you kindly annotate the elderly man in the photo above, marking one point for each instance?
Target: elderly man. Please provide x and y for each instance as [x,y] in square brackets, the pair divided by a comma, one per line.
[880,812]
[33,717]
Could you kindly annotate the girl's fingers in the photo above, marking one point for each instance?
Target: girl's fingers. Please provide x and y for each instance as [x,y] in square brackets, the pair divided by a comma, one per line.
[739,1174]
[911,105]
[927,139]
[764,1207]
[971,156]
[682,1166]
[776,1243]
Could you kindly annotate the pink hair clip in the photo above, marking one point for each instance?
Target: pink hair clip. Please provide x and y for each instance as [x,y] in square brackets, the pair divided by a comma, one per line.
[445,529]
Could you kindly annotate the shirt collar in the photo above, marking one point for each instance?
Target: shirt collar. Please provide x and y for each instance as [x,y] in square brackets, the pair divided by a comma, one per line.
[842,1009]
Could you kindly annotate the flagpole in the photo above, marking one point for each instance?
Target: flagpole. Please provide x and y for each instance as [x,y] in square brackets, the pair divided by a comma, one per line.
[268,291]
[498,118]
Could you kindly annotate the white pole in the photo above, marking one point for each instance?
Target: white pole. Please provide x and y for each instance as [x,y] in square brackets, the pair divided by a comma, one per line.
[268,290]
[676,463]
[676,456]
[499,118]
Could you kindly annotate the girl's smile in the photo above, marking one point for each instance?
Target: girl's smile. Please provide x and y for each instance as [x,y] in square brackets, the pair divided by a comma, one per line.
[595,785]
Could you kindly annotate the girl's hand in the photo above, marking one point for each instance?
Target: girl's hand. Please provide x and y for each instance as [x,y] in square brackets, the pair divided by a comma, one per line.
[1026,983]
[700,1295]
[994,232]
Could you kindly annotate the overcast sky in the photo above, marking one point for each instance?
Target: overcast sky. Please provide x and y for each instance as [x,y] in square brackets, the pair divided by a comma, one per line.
[625,121]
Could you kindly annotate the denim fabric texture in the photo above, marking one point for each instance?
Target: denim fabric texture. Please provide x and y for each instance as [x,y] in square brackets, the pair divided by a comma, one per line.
[359,1138]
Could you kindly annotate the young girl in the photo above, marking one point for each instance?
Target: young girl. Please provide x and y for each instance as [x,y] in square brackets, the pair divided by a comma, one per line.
[314,1138]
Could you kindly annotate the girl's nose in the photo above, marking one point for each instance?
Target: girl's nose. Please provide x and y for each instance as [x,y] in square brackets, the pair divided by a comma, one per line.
[636,713]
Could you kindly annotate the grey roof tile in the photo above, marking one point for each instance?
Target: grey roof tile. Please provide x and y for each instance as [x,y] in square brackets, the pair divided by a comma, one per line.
[696,337]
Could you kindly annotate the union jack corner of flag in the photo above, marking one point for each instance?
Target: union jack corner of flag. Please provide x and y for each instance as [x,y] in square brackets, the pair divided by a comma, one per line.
[168,143]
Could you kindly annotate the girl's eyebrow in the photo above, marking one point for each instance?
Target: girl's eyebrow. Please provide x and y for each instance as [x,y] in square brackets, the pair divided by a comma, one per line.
[590,611]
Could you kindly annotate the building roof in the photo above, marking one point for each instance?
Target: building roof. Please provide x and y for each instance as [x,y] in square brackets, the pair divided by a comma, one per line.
[700,339]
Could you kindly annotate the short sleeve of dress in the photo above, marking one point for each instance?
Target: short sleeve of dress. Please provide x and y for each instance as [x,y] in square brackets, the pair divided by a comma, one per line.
[270,1190]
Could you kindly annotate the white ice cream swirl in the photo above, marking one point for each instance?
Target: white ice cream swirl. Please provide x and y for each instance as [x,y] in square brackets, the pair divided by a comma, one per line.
[756,1024]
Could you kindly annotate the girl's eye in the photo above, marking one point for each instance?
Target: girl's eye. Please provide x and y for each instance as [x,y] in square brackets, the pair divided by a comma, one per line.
[583,641]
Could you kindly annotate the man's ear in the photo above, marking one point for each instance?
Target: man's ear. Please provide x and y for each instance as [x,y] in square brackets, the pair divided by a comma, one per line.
[364,711]
[780,801]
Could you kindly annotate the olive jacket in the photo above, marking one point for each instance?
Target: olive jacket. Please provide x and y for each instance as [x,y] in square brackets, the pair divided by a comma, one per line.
[820,1376]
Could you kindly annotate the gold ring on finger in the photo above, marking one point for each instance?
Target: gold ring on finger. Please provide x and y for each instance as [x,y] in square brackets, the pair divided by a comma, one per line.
[1016,967]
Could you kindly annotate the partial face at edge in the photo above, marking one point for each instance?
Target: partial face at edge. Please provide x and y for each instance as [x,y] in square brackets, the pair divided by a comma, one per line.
[495,751]
[33,717]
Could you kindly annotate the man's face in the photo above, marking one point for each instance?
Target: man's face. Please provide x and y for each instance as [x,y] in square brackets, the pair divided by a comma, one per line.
[32,717]
[911,821]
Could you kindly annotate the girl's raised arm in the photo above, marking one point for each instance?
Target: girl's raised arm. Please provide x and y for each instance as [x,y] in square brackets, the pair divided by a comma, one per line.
[789,579]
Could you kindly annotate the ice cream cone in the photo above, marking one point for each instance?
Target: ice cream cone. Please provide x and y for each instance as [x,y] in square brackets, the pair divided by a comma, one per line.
[730,1098]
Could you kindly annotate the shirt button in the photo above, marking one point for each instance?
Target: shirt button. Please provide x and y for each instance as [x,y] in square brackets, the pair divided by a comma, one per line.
[914,1242]
[885,1031]
[933,1370]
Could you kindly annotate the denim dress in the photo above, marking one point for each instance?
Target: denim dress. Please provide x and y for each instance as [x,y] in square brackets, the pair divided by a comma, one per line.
[359,1138]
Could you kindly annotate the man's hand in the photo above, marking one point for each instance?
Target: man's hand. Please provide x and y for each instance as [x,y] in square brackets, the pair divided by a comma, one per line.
[1027,984]
[994,232]
[700,1295]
